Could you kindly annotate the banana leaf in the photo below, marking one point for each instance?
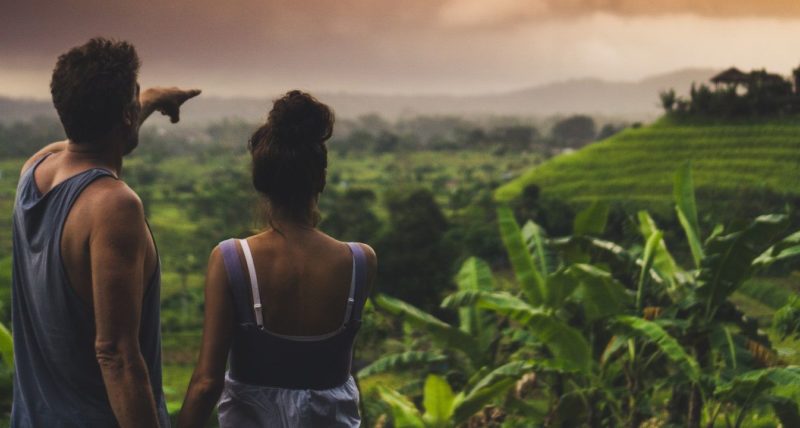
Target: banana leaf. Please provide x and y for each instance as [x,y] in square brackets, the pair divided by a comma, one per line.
[653,333]
[686,208]
[404,412]
[563,341]
[671,274]
[447,335]
[729,259]
[777,386]
[647,262]
[530,279]
[491,386]
[438,400]
[400,361]
[597,291]
[6,346]
[475,274]
[534,238]
[591,220]
[787,248]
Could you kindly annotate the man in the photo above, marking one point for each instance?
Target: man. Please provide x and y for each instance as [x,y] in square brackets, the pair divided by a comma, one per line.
[86,275]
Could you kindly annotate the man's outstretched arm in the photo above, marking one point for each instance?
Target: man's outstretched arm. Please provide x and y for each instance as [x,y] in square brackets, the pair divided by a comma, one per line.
[118,245]
[167,101]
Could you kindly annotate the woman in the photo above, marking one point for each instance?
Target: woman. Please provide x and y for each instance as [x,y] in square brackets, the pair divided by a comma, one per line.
[285,303]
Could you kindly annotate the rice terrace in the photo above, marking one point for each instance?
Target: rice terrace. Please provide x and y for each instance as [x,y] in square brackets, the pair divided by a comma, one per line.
[637,164]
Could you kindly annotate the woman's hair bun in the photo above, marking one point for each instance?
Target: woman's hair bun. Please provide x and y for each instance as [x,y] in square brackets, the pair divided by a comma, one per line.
[298,118]
[290,158]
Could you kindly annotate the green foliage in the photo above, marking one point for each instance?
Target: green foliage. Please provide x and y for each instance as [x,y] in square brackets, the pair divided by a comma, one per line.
[416,257]
[488,388]
[528,276]
[349,215]
[597,291]
[686,207]
[667,271]
[443,408]
[400,361]
[438,401]
[786,321]
[652,332]
[681,338]
[564,342]
[779,387]
[6,347]
[592,220]
[730,257]
[404,413]
[476,275]
[533,235]
[668,99]
[23,139]
[501,302]
[447,335]
[787,248]
[650,248]
[574,131]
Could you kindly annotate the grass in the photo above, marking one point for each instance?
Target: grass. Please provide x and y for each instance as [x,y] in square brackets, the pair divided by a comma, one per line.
[637,165]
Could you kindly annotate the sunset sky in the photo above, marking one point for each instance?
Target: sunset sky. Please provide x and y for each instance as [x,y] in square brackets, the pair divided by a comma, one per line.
[259,48]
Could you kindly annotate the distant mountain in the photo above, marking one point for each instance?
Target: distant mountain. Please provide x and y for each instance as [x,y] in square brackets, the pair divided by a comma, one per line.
[15,109]
[631,100]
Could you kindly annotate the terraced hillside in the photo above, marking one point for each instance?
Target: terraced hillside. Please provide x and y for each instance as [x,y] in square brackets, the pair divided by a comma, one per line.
[729,162]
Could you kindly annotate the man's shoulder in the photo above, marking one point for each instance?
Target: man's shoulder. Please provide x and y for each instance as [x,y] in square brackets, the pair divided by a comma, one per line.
[108,193]
[112,198]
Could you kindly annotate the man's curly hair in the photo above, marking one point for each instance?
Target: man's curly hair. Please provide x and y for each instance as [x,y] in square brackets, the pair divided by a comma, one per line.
[92,85]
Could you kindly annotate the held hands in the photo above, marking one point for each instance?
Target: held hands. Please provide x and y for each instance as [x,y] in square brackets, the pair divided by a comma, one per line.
[167,101]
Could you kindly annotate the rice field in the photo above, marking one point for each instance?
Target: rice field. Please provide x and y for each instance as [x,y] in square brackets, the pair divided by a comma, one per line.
[637,165]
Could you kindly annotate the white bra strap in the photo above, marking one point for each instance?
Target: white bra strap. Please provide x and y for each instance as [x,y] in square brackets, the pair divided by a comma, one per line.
[351,298]
[251,269]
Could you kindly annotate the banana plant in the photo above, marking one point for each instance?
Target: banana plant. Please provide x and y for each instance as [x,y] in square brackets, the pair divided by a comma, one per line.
[561,304]
[545,290]
[777,387]
[443,408]
[594,316]
[545,287]
[695,302]
[471,338]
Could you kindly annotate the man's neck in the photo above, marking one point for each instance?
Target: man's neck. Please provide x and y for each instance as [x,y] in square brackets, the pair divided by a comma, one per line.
[108,156]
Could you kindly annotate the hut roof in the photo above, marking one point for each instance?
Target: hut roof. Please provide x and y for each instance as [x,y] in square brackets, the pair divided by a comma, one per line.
[731,75]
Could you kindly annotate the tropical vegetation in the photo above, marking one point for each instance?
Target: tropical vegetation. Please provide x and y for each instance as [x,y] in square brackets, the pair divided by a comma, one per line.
[593,334]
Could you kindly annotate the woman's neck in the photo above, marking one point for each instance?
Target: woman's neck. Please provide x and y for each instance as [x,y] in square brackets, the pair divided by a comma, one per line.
[293,224]
[281,218]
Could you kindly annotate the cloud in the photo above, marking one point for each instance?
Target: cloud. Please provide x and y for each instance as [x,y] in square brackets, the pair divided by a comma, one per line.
[481,13]
[499,13]
[251,46]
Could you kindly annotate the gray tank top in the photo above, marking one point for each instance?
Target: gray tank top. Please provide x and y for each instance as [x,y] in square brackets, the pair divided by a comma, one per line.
[57,382]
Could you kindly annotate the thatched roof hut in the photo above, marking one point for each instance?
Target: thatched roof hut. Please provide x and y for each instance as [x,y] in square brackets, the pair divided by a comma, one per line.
[731,76]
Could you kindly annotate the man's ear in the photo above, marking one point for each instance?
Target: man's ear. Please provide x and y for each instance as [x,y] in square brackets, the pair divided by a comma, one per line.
[130,115]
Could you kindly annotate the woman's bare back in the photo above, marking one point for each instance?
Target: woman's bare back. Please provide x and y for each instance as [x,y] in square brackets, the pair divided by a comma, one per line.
[304,278]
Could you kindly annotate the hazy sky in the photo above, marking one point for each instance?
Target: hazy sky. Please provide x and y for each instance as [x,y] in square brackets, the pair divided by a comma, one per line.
[261,47]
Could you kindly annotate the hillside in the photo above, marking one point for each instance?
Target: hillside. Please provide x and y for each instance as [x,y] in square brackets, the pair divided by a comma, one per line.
[730,161]
[633,101]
